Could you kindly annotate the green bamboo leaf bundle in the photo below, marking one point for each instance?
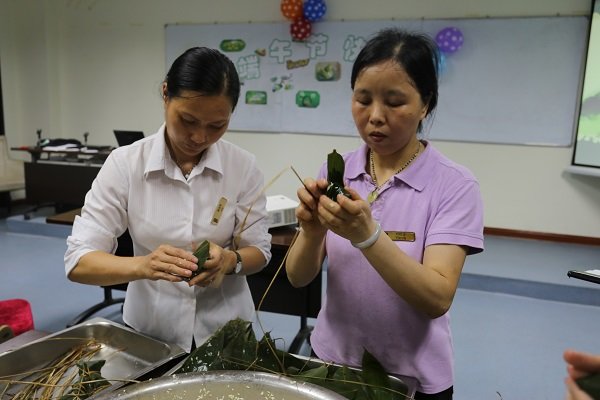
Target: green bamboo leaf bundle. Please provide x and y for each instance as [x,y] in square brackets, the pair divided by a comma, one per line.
[335,176]
[235,347]
[201,254]
[591,385]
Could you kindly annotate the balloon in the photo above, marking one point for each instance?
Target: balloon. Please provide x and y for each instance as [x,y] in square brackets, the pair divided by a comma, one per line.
[314,10]
[449,39]
[300,29]
[291,9]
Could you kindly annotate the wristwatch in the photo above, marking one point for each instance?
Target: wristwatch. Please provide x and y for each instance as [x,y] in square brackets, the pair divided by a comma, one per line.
[238,266]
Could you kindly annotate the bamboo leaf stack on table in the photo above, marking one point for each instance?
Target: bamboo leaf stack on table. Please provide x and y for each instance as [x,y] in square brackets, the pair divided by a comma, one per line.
[235,347]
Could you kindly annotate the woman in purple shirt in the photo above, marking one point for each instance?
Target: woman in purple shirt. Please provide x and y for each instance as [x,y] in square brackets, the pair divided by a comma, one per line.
[395,249]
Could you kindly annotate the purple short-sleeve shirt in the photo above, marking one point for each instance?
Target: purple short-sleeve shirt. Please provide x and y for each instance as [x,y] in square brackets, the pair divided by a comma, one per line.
[437,200]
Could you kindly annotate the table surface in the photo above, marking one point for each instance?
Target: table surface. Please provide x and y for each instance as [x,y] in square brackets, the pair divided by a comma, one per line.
[39,150]
[72,155]
[65,218]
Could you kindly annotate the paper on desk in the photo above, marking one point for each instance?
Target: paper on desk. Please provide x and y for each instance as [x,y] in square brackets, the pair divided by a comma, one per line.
[64,147]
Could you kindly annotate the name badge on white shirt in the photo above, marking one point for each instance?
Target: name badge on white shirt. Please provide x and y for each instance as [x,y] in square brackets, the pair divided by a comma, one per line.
[218,211]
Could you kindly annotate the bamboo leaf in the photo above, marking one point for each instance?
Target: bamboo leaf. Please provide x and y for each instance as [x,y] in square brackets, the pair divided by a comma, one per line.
[201,253]
[319,372]
[373,371]
[375,377]
[348,383]
[335,175]
[317,376]
[268,357]
[590,384]
[90,381]
[240,350]
[335,168]
[209,356]
[235,347]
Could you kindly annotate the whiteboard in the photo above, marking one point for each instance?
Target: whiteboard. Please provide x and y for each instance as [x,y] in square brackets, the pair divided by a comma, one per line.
[513,81]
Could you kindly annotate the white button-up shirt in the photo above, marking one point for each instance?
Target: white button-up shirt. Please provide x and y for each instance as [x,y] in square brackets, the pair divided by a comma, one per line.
[140,188]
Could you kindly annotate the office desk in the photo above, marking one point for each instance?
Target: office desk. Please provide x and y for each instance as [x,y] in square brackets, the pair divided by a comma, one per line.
[282,297]
[63,185]
[60,178]
[65,218]
[78,155]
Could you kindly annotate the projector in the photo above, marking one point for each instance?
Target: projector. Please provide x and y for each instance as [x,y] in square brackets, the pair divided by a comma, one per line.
[281,210]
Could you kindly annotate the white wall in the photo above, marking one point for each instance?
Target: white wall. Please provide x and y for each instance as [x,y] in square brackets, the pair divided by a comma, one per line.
[74,66]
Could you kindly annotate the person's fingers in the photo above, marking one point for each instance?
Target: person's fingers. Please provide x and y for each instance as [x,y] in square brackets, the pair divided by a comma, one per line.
[574,392]
[180,266]
[204,278]
[583,363]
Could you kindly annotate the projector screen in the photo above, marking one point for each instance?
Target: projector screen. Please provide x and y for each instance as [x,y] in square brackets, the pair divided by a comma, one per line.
[587,143]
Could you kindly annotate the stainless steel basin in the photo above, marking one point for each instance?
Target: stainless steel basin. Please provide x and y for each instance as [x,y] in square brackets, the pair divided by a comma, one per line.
[231,385]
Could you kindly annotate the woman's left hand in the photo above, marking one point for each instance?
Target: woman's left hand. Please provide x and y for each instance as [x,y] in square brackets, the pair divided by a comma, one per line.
[349,218]
[215,267]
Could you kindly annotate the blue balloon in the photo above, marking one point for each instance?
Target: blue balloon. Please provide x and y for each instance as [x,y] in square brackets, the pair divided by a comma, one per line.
[441,66]
[314,10]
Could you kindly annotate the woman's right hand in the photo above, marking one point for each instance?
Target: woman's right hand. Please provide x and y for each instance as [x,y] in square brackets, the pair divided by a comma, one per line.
[168,263]
[307,210]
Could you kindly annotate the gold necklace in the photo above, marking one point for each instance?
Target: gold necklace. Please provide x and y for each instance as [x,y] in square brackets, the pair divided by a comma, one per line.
[186,175]
[375,193]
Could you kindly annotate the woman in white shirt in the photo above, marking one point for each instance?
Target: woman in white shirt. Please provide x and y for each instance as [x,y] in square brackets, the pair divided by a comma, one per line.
[172,190]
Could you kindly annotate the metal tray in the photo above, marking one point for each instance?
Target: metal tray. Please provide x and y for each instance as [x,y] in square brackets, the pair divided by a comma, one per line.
[222,385]
[404,383]
[128,354]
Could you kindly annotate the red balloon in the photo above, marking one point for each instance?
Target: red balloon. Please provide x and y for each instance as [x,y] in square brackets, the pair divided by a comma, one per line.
[300,29]
[292,9]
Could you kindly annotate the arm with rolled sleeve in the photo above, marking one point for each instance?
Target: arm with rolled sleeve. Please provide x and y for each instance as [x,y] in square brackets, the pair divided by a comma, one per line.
[94,236]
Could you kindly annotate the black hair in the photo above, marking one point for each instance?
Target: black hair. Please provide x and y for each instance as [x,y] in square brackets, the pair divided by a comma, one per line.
[416,53]
[203,70]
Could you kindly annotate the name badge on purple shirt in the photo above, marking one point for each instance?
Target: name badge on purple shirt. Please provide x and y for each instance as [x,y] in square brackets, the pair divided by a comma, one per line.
[401,236]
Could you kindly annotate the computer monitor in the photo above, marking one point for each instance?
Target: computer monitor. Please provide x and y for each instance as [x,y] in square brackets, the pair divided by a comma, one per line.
[127,137]
[586,151]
